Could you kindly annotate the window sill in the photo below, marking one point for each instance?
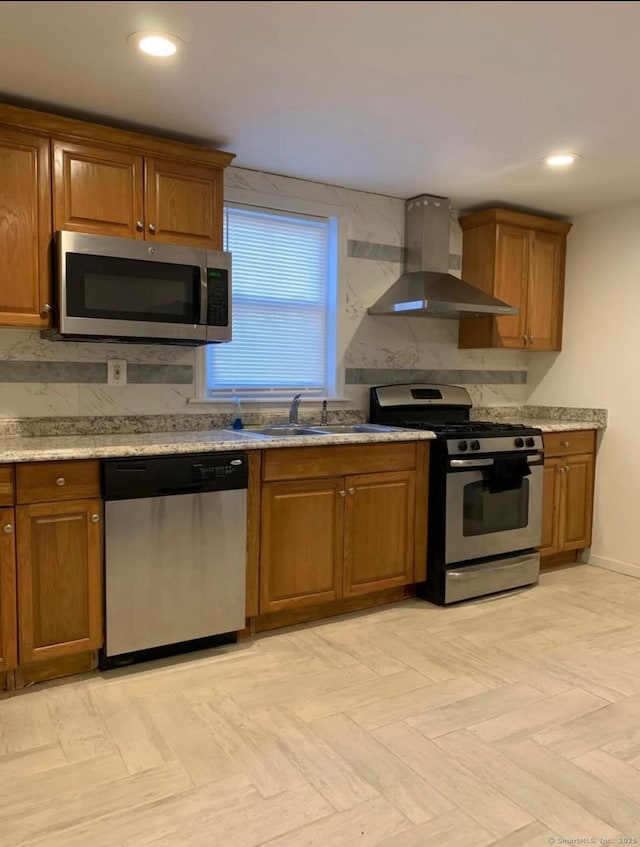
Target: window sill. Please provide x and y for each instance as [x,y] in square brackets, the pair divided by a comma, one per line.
[246,402]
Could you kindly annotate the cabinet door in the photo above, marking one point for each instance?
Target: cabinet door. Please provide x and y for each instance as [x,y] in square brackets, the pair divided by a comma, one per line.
[301,543]
[8,646]
[59,579]
[512,270]
[25,229]
[577,502]
[183,203]
[550,506]
[97,190]
[545,294]
[379,531]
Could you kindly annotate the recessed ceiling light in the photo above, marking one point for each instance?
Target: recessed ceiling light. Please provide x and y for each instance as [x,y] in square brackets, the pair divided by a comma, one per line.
[155,43]
[561,160]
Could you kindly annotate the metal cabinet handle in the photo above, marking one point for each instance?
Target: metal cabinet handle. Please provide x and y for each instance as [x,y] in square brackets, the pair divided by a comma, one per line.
[152,228]
[95,518]
[8,528]
[565,443]
[342,493]
[60,480]
[46,308]
[351,490]
[139,226]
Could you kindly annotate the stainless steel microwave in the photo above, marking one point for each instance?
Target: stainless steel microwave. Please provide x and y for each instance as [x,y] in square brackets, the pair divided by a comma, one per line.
[128,290]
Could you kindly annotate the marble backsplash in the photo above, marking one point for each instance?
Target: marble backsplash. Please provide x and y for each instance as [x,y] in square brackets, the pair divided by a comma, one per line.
[41,378]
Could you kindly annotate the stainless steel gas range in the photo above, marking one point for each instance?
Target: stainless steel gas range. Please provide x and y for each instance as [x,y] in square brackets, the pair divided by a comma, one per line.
[485,492]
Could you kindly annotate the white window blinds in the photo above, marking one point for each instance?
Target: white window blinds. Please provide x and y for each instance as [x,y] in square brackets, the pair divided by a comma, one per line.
[283,305]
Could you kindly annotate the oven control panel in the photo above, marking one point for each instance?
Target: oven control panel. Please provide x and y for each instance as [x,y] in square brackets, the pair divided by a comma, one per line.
[494,444]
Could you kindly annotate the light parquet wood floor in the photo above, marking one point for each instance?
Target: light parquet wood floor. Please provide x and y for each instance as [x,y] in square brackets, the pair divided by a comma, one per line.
[510,722]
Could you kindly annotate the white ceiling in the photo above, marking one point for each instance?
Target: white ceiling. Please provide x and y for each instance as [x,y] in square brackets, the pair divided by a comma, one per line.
[459,99]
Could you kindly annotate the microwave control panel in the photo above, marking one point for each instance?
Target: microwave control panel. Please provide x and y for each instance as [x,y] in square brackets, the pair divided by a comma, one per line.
[217,297]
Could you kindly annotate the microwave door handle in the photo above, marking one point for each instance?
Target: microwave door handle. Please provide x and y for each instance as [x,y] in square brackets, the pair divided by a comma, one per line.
[204,295]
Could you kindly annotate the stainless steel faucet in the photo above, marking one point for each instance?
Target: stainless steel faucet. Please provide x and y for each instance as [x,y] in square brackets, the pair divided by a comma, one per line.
[293,409]
[323,414]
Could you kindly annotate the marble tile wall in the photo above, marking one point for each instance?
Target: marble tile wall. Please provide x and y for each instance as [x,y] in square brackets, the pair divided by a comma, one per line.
[41,378]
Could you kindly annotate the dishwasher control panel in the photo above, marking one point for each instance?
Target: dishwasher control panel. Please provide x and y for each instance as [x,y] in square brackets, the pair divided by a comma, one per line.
[128,479]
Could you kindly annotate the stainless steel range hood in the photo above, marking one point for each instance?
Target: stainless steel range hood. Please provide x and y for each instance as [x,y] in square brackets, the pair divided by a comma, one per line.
[426,288]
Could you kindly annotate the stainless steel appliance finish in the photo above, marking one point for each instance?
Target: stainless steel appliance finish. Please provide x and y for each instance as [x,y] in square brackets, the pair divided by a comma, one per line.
[124,289]
[426,288]
[491,577]
[480,523]
[175,551]
[485,492]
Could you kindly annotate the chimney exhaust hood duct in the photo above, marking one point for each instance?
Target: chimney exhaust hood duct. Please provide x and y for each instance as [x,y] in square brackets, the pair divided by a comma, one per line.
[426,288]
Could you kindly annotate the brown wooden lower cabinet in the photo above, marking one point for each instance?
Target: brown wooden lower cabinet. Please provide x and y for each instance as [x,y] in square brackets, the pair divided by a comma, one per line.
[379,531]
[324,539]
[8,641]
[301,544]
[59,547]
[567,511]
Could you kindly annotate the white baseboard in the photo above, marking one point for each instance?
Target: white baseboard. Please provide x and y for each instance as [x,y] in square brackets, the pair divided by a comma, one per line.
[627,568]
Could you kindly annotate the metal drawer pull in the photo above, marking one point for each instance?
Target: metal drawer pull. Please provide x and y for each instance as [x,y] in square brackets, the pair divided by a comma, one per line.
[565,443]
[60,480]
[351,490]
[95,518]
[342,493]
[7,528]
[139,226]
[46,308]
[152,228]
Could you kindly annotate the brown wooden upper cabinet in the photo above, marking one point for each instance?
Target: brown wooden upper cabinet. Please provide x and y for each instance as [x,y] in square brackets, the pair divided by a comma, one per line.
[97,189]
[112,192]
[518,258]
[25,229]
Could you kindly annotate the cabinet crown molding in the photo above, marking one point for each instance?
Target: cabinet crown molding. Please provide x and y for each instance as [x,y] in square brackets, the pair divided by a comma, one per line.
[73,129]
[508,216]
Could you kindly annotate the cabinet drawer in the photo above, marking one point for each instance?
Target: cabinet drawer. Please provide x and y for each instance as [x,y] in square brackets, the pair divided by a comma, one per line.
[43,482]
[6,485]
[566,443]
[314,462]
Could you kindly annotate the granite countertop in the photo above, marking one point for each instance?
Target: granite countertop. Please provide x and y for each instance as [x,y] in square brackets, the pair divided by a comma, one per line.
[40,449]
[547,425]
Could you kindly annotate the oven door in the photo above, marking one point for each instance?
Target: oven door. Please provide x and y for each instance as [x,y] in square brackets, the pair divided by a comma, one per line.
[123,288]
[482,521]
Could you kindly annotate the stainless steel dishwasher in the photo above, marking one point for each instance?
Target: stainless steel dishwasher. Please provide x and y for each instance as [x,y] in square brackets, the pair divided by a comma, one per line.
[175,554]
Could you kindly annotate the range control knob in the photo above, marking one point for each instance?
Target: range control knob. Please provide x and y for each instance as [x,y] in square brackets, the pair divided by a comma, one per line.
[475,445]
[519,442]
[530,442]
[462,446]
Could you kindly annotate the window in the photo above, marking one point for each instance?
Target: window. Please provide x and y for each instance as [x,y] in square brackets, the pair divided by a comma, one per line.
[284,306]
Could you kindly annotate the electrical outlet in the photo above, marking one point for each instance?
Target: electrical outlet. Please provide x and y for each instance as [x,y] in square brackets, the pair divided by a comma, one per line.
[116,372]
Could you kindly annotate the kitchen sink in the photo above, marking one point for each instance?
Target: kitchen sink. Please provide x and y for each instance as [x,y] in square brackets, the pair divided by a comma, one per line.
[278,431]
[346,429]
[291,430]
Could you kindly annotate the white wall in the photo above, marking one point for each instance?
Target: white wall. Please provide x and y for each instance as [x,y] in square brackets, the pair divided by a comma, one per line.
[44,378]
[598,367]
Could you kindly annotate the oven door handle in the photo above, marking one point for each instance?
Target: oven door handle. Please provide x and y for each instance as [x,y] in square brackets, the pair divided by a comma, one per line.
[487,463]
[471,463]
